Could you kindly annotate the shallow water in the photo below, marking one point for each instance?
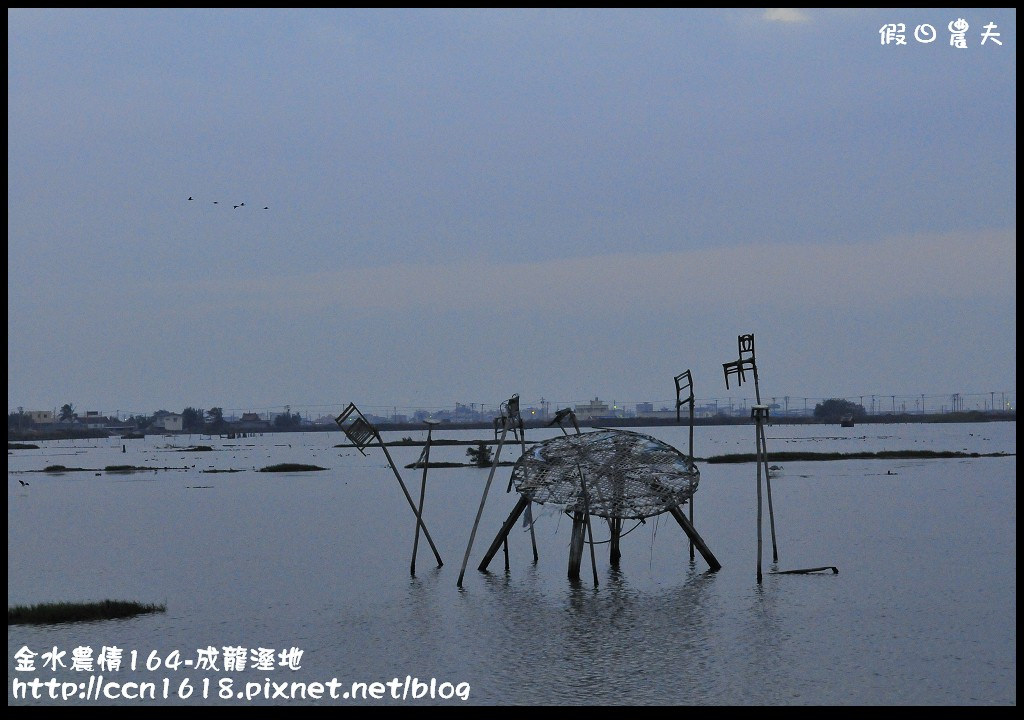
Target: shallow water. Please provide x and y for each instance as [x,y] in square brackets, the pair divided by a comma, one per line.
[922,612]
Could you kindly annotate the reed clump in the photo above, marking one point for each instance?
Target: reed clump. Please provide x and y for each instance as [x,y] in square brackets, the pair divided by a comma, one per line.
[77,611]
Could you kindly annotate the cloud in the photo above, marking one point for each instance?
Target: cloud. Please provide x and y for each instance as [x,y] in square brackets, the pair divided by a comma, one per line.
[786,15]
[868,274]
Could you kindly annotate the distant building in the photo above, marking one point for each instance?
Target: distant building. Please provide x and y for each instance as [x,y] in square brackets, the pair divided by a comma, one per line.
[171,422]
[593,409]
[644,409]
[251,421]
[40,417]
[534,413]
[95,421]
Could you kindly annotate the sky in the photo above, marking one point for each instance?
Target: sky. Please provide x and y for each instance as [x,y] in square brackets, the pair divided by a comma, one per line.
[459,205]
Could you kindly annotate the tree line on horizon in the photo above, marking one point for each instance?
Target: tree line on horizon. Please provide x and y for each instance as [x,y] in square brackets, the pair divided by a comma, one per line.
[195,420]
[212,421]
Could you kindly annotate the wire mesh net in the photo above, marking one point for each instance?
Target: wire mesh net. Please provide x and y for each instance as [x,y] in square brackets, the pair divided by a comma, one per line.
[626,474]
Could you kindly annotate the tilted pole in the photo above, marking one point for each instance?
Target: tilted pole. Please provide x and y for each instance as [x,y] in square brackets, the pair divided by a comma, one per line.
[483,500]
[529,507]
[423,494]
[573,559]
[684,381]
[768,485]
[359,431]
[506,528]
[405,491]
[759,412]
[746,344]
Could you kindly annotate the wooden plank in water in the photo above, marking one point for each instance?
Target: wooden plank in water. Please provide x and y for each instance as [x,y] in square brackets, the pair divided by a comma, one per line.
[833,568]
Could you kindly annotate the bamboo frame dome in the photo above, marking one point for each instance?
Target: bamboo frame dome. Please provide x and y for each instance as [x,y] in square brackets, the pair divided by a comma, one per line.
[628,475]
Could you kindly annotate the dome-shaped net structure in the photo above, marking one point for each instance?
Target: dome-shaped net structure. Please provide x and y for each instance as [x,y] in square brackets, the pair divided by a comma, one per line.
[627,475]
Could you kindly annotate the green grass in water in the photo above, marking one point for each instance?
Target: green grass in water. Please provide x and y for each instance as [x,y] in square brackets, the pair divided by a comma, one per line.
[290,467]
[883,455]
[77,612]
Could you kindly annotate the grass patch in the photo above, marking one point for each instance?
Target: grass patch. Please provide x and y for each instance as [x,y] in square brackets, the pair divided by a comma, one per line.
[409,442]
[290,467]
[108,468]
[883,455]
[220,471]
[21,446]
[77,612]
[199,448]
[418,465]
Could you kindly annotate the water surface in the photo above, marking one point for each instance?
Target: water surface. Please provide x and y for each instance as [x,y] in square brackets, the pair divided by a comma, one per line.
[922,612]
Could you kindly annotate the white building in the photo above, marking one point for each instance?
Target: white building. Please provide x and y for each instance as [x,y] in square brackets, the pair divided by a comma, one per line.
[168,423]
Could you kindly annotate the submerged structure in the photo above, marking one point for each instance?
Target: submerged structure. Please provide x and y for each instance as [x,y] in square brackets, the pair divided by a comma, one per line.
[608,473]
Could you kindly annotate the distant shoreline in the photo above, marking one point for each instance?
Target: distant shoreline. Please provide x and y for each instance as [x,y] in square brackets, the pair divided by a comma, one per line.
[974,416]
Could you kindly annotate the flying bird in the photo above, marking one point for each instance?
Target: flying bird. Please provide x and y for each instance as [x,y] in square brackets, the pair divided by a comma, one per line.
[23,483]
[266,208]
[214,202]
[190,198]
[236,207]
[241,204]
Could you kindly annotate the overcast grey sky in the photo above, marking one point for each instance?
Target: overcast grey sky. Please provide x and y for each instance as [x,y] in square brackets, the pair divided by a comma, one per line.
[466,204]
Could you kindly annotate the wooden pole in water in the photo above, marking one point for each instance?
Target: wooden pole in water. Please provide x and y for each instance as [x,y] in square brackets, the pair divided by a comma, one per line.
[586,513]
[768,485]
[763,451]
[483,499]
[533,539]
[405,491]
[576,545]
[757,439]
[833,568]
[506,528]
[423,494]
[692,466]
[529,512]
[616,527]
[590,530]
[698,541]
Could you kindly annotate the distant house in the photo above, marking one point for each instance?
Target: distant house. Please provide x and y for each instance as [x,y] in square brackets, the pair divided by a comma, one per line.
[251,422]
[171,422]
[40,417]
